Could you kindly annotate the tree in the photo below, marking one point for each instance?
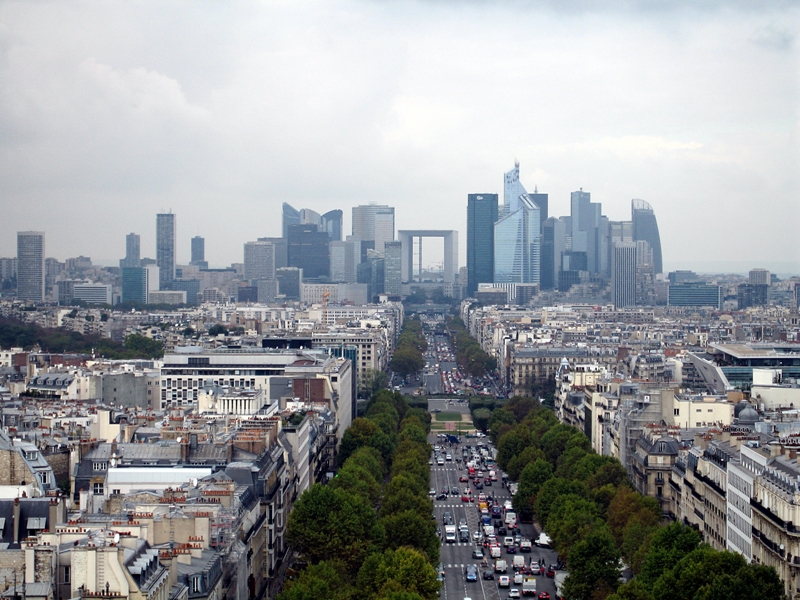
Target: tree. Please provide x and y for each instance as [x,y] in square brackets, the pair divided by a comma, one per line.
[144,346]
[531,479]
[571,520]
[480,418]
[355,479]
[667,547]
[517,463]
[330,522]
[217,329]
[550,492]
[371,381]
[406,361]
[414,529]
[707,574]
[593,567]
[327,579]
[402,500]
[402,570]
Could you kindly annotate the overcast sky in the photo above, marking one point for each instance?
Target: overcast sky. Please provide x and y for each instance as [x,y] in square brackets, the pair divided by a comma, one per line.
[112,111]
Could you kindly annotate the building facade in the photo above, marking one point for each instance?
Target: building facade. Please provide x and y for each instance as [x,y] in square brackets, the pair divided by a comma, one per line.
[30,266]
[165,248]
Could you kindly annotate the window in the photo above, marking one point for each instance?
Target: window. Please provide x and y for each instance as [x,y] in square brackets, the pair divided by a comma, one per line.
[65,574]
[676,412]
[44,477]
[31,455]
[97,488]
[195,584]
[99,466]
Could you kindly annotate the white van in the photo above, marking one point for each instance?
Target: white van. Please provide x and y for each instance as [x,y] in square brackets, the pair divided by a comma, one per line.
[543,541]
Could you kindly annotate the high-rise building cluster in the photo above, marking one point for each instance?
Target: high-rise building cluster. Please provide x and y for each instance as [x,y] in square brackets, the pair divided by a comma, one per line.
[519,246]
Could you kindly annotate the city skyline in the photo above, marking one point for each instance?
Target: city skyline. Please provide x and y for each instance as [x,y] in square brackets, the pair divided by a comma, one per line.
[688,107]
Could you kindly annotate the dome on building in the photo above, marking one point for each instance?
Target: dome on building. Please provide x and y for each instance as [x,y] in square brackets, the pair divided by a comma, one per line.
[748,415]
[740,407]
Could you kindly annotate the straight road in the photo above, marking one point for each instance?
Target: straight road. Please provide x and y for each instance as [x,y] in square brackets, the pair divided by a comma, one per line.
[456,556]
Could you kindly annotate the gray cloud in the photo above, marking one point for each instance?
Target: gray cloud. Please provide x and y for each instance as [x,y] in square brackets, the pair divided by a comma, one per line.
[110,112]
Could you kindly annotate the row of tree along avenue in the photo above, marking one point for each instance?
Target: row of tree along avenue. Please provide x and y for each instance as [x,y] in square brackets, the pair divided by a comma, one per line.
[408,353]
[469,355]
[598,522]
[370,534]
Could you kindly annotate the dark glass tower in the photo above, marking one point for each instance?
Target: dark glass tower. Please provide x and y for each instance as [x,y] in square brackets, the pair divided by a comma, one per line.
[308,250]
[332,223]
[165,249]
[482,212]
[645,227]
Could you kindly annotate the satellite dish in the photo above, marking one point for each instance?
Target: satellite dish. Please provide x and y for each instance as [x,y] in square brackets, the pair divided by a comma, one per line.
[178,440]
[116,538]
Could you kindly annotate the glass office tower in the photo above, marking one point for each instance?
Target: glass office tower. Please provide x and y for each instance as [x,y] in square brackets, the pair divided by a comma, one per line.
[517,245]
[645,228]
[482,212]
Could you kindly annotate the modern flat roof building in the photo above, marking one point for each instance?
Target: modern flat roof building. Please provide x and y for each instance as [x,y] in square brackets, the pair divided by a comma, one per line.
[373,222]
[199,251]
[623,274]
[695,294]
[30,266]
[482,213]
[259,260]
[132,251]
[165,248]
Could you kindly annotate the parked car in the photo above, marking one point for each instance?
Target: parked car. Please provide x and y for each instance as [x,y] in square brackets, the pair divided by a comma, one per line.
[504,581]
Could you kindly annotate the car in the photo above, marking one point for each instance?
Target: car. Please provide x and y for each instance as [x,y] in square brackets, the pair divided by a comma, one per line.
[454,490]
[464,498]
[440,572]
[544,596]
[513,593]
[551,571]
[511,549]
[441,497]
[501,531]
[534,565]
[488,574]
[518,577]
[504,581]
[476,535]
[463,479]
[478,486]
[471,573]
[477,553]
[440,461]
[431,492]
[487,481]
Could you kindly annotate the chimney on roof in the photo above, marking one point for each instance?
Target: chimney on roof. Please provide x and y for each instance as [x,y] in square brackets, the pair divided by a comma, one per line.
[184,442]
[54,514]
[16,520]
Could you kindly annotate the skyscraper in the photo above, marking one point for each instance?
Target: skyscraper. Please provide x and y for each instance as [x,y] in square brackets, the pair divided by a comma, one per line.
[760,277]
[482,213]
[586,230]
[623,274]
[165,249]
[331,222]
[393,265]
[512,190]
[199,251]
[132,251]
[308,250]
[345,257]
[517,245]
[259,260]
[372,222]
[138,282]
[30,266]
[289,216]
[645,227]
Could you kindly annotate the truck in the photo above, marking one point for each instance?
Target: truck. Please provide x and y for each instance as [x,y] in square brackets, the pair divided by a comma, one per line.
[450,534]
[529,585]
[500,566]
[519,562]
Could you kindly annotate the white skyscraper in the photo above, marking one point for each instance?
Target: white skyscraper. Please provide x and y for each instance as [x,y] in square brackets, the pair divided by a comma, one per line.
[517,245]
[374,223]
[259,260]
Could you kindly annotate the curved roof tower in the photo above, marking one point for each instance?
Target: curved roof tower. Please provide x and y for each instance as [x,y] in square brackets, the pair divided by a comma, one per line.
[645,228]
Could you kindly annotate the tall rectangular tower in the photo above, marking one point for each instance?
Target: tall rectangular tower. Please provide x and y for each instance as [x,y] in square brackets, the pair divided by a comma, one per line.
[30,266]
[132,251]
[198,250]
[623,274]
[482,213]
[393,264]
[373,222]
[165,249]
[259,260]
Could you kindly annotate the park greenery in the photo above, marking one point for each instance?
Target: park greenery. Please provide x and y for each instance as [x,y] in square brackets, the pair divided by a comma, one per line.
[472,359]
[370,533]
[408,357]
[597,521]
[15,334]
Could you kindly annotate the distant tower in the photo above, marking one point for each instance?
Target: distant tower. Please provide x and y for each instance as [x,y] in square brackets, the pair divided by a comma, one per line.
[482,213]
[373,222]
[623,274]
[30,266]
[259,260]
[132,251]
[645,227]
[198,250]
[392,274]
[165,249]
[760,277]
